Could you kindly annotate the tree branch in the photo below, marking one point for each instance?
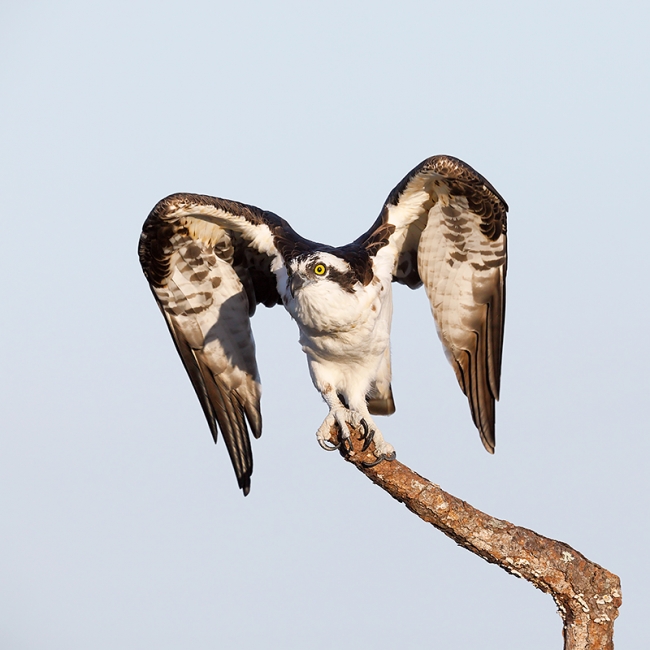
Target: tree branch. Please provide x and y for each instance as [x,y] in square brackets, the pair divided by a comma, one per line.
[587,596]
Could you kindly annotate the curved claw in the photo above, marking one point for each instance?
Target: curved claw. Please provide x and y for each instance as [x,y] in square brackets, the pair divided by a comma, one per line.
[370,434]
[364,428]
[347,446]
[328,446]
[382,458]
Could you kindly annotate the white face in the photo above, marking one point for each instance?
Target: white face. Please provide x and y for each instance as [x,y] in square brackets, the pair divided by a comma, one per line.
[324,296]
[308,273]
[318,265]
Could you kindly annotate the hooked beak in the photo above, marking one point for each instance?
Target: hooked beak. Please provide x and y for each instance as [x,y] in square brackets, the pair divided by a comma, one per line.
[295,283]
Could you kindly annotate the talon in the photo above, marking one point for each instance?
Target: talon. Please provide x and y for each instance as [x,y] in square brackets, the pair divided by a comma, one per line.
[383,457]
[364,428]
[370,434]
[347,446]
[327,445]
[376,462]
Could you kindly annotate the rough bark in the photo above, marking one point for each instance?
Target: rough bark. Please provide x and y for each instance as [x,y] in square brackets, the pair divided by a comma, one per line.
[587,596]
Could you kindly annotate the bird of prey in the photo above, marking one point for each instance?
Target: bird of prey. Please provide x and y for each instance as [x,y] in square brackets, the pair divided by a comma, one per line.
[211,261]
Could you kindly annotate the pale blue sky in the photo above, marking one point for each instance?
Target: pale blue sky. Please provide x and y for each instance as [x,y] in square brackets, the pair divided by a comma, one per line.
[122,523]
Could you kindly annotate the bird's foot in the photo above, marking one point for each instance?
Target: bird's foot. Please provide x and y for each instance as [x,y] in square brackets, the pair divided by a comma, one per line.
[346,420]
[383,450]
[337,417]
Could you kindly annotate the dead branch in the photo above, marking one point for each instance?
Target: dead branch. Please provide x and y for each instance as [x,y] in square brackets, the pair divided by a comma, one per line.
[587,596]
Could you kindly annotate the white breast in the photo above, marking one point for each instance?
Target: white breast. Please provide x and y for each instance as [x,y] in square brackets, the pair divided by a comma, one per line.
[336,324]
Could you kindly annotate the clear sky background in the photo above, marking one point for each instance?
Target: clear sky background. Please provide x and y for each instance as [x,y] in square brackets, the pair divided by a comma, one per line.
[122,525]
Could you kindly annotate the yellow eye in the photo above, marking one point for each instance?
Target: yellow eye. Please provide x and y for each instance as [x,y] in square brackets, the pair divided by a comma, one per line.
[320,269]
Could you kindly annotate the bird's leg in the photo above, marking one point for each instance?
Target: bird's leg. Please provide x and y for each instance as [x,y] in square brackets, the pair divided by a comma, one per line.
[339,415]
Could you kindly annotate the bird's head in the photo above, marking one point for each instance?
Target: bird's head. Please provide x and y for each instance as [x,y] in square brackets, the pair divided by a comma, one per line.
[317,268]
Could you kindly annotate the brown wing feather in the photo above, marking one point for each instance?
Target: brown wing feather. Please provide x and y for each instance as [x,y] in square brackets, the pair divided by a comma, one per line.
[208,263]
[449,233]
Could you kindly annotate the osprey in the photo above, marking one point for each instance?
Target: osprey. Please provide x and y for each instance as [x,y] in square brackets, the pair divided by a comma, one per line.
[211,261]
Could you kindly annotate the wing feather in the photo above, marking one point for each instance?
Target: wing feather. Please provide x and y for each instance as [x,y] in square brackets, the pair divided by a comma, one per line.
[208,262]
[449,233]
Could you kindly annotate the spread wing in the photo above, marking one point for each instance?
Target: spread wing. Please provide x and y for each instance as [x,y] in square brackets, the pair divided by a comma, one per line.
[445,227]
[208,262]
